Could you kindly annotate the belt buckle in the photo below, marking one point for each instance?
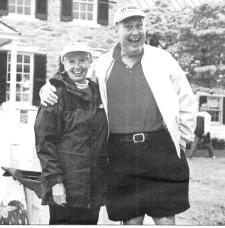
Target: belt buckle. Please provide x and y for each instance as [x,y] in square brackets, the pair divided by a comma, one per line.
[138,135]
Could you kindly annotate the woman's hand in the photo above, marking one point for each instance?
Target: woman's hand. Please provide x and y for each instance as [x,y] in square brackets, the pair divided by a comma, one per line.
[47,94]
[59,194]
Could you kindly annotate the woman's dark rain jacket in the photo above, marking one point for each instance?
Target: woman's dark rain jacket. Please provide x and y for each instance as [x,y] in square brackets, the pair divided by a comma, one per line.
[71,144]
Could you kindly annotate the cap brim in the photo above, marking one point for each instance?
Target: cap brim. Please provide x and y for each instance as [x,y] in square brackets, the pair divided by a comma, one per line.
[79,51]
[128,16]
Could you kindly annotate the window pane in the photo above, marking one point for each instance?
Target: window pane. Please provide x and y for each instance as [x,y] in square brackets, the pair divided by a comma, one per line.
[8,77]
[9,58]
[75,15]
[26,69]
[25,97]
[25,87]
[18,88]
[83,7]
[20,2]
[23,116]
[19,68]
[27,11]
[12,1]
[9,67]
[20,10]
[90,7]
[26,59]
[19,58]
[27,2]
[12,9]
[75,6]
[83,16]
[7,87]
[18,97]
[90,16]
[18,77]
[26,77]
[7,96]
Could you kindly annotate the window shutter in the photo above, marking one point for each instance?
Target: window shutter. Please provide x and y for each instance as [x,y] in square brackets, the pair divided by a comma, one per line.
[4,7]
[103,12]
[224,110]
[41,11]
[202,100]
[3,73]
[66,10]
[40,62]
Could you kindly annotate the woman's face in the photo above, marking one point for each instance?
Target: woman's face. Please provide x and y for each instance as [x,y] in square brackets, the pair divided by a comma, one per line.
[76,64]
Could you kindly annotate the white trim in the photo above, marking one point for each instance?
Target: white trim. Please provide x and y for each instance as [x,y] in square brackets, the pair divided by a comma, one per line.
[29,49]
[85,23]
[31,78]
[200,93]
[16,17]
[12,92]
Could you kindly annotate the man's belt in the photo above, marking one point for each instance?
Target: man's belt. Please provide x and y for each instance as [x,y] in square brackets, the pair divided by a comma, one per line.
[136,137]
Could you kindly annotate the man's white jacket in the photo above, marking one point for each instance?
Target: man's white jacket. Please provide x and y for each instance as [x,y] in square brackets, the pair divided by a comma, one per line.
[169,86]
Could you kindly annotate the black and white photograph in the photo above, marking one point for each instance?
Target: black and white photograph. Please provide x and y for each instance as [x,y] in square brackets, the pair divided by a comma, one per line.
[112,112]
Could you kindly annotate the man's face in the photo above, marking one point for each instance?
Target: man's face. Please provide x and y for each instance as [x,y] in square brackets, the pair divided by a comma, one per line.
[76,64]
[131,33]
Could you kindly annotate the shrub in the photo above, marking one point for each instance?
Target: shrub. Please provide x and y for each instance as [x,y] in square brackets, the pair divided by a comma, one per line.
[218,144]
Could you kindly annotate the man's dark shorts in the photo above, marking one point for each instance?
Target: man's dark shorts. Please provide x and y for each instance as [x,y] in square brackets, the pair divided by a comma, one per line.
[146,178]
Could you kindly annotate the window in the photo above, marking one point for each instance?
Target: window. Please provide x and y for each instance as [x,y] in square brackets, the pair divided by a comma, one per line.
[23,78]
[215,115]
[20,7]
[214,108]
[24,9]
[22,82]
[23,116]
[83,10]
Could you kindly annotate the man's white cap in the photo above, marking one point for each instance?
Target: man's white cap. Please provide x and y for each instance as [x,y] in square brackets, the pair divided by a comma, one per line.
[75,47]
[127,11]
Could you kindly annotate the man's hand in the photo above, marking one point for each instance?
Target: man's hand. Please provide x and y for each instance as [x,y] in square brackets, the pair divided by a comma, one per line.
[47,95]
[59,194]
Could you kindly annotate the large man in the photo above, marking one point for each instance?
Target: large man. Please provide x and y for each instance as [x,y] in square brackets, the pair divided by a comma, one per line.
[151,114]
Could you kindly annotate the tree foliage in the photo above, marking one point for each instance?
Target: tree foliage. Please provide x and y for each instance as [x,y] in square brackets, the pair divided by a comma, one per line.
[196,37]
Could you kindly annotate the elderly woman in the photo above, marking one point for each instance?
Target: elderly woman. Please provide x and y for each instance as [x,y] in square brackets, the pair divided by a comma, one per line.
[71,143]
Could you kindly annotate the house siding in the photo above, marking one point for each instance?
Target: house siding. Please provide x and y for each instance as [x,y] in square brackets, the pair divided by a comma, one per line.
[50,36]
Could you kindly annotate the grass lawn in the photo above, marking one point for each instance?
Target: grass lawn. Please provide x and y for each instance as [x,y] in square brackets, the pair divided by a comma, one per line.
[207,191]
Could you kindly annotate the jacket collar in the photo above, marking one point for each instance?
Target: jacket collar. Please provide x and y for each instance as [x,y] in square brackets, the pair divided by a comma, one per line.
[72,88]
